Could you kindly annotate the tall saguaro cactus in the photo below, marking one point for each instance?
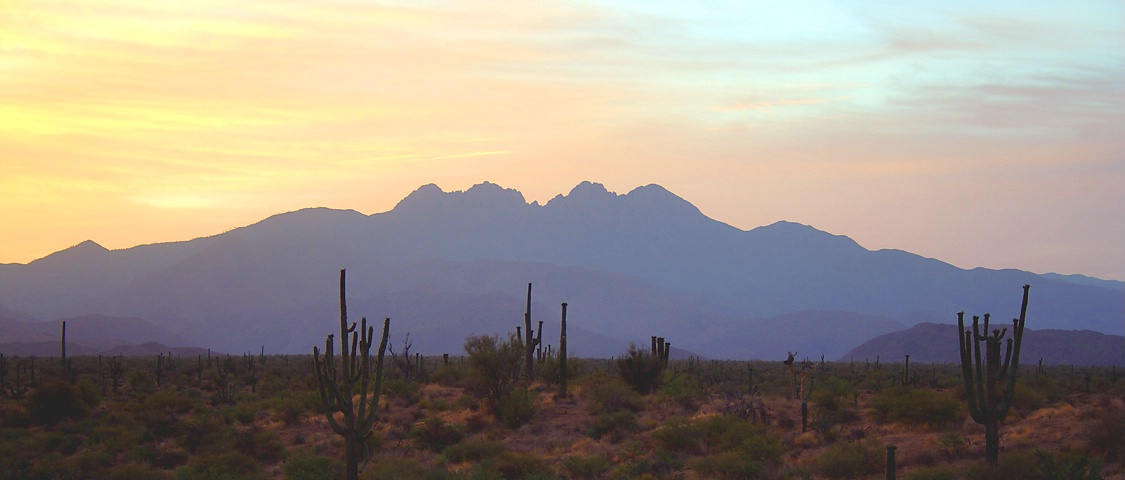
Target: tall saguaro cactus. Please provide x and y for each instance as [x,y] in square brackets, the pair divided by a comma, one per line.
[530,339]
[562,354]
[989,382]
[338,383]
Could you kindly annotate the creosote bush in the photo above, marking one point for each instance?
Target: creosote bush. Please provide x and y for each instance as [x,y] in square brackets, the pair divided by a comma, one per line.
[494,368]
[916,406]
[852,460]
[55,401]
[587,467]
[605,394]
[641,369]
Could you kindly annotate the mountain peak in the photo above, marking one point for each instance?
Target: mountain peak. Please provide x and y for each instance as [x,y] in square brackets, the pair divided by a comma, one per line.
[653,196]
[80,252]
[483,196]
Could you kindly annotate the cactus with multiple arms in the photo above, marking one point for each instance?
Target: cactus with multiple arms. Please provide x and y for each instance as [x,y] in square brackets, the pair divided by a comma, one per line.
[338,383]
[989,387]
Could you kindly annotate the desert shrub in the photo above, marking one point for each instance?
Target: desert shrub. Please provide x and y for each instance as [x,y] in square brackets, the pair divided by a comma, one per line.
[916,406]
[449,375]
[593,466]
[851,460]
[306,465]
[644,469]
[52,402]
[395,468]
[1026,398]
[951,445]
[170,458]
[290,407]
[517,408]
[679,435]
[1045,385]
[223,466]
[606,394]
[518,465]
[729,464]
[640,369]
[399,388]
[931,473]
[615,425]
[548,370]
[243,413]
[683,390]
[170,401]
[133,471]
[142,382]
[1106,428]
[718,434]
[435,434]
[55,465]
[473,451]
[1011,466]
[1066,466]
[201,431]
[262,445]
[834,400]
[494,367]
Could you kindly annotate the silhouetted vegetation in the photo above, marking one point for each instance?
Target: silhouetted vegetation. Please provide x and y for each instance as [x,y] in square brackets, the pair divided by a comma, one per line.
[478,416]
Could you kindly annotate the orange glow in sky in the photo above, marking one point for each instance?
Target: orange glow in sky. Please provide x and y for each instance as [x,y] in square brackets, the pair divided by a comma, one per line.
[981,135]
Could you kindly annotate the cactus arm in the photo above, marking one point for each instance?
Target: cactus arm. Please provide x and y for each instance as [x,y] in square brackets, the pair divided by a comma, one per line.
[369,420]
[978,359]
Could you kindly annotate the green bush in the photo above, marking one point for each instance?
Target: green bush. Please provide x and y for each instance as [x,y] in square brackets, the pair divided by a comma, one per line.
[615,425]
[1106,428]
[593,466]
[435,434]
[720,433]
[52,402]
[640,369]
[473,451]
[931,473]
[399,388]
[494,367]
[1066,466]
[306,465]
[395,468]
[606,394]
[517,408]
[852,460]
[519,465]
[1011,466]
[729,464]
[952,445]
[136,472]
[915,406]
[223,466]
[683,390]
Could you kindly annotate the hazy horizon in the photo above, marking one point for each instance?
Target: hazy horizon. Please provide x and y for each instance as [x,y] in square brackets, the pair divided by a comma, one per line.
[982,135]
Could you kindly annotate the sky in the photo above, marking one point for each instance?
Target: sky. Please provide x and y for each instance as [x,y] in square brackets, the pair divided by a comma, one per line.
[983,134]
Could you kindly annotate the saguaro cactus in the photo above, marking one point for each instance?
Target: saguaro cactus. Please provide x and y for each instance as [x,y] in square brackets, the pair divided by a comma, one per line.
[530,340]
[338,383]
[562,354]
[990,384]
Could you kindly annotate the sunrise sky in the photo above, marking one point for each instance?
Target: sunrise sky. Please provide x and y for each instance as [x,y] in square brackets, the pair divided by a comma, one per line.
[980,133]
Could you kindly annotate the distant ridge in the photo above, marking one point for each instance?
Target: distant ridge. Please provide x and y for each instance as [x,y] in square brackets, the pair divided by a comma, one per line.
[629,265]
[932,342]
[86,335]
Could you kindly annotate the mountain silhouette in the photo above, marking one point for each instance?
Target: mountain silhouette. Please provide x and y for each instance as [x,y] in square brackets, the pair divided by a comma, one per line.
[447,264]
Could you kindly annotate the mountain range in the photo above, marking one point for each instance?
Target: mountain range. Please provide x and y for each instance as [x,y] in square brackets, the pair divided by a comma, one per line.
[445,265]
